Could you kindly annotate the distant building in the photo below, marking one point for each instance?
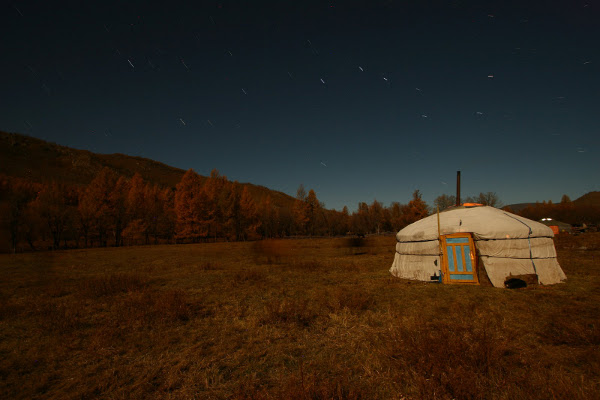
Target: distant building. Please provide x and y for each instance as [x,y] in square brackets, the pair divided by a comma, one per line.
[557,226]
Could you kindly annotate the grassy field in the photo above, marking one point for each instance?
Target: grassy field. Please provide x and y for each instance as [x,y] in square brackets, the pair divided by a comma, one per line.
[289,319]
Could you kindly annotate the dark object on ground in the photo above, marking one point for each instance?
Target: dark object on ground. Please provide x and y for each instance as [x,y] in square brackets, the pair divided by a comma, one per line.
[520,281]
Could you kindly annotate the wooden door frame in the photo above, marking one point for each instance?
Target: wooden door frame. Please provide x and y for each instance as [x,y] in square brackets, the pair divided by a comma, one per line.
[473,254]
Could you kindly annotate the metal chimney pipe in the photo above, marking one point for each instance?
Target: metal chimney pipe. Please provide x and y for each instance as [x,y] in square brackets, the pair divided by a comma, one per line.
[457,188]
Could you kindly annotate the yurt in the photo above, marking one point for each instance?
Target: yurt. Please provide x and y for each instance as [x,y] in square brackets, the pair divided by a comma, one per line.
[557,226]
[477,244]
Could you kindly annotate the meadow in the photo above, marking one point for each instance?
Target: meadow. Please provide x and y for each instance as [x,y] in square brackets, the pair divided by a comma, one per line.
[289,319]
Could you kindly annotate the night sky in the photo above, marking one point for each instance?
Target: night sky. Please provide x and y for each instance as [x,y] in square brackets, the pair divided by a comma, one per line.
[357,100]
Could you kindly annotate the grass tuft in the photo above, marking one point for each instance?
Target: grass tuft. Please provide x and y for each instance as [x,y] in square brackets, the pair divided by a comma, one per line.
[112,284]
[307,266]
[300,312]
[249,275]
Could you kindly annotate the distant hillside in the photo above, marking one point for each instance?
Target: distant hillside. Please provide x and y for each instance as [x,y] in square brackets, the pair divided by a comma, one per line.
[40,161]
[519,206]
[588,199]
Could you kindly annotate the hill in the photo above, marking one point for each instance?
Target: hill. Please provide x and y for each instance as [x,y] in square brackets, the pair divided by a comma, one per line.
[41,161]
[588,199]
[518,206]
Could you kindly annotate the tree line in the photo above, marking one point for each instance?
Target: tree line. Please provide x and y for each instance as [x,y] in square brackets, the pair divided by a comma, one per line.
[114,210]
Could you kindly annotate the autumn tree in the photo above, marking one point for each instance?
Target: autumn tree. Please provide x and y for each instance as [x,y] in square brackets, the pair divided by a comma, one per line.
[135,197]
[300,211]
[324,220]
[387,220]
[189,199]
[154,198]
[286,224]
[268,217]
[312,209]
[85,215]
[71,231]
[21,193]
[136,210]
[415,210]
[117,203]
[376,217]
[396,211]
[96,205]
[233,224]
[135,232]
[33,229]
[51,206]
[168,218]
[565,210]
[217,195]
[248,215]
[360,219]
[345,220]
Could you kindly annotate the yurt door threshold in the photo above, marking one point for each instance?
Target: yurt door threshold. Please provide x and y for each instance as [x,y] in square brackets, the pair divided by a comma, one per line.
[459,263]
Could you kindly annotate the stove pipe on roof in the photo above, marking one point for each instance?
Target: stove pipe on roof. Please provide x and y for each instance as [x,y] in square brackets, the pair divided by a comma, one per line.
[457,188]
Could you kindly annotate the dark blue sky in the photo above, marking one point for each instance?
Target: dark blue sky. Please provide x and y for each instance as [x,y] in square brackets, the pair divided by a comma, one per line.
[357,100]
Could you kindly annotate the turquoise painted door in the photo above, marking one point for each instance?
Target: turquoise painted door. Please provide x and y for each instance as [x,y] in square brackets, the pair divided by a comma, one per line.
[460,259]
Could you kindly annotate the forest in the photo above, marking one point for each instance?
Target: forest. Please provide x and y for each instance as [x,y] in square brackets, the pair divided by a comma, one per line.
[114,210]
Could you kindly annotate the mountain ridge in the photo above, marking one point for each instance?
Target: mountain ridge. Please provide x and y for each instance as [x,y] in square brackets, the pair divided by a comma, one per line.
[42,161]
[588,199]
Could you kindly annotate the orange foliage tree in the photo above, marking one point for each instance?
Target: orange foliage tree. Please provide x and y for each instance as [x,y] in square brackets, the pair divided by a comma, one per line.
[168,217]
[233,226]
[360,219]
[190,201]
[19,219]
[299,210]
[97,206]
[248,215]
[376,216]
[269,218]
[415,210]
[136,210]
[312,209]
[118,208]
[217,190]
[52,208]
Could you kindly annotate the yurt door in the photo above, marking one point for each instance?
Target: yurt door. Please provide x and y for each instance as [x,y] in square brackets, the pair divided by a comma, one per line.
[459,263]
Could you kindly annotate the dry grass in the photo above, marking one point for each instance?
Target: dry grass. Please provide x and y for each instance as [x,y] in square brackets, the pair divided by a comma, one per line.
[289,319]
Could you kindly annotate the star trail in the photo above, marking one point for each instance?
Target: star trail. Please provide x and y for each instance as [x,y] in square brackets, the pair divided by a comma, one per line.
[396,97]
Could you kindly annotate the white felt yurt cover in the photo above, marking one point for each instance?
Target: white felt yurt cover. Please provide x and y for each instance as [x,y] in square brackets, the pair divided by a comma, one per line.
[506,244]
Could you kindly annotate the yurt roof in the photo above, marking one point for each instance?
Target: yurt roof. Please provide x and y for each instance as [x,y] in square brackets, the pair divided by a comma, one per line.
[484,222]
